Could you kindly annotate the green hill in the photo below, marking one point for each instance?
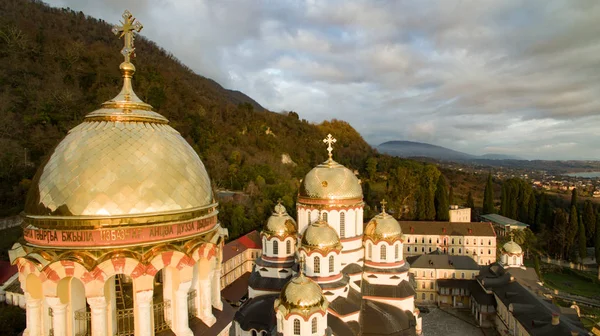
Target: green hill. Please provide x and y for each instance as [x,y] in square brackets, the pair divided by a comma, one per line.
[57,65]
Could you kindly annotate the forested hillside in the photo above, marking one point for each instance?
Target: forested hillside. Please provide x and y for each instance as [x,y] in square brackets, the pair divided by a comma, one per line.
[57,65]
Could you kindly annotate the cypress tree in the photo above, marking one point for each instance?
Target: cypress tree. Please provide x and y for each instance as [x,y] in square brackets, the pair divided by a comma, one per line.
[488,197]
[582,240]
[589,222]
[531,220]
[504,199]
[597,240]
[574,198]
[441,200]
[571,231]
[559,234]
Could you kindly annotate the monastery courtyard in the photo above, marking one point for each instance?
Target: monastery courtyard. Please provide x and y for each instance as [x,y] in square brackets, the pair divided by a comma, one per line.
[438,322]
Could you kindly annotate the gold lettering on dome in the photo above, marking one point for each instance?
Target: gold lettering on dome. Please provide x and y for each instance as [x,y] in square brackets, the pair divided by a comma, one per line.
[77,236]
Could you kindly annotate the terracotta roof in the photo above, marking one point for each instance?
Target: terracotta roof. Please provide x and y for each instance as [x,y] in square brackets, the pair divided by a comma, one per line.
[448,228]
[235,247]
[6,271]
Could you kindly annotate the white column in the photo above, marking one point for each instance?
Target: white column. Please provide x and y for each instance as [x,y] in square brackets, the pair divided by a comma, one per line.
[181,324]
[216,288]
[143,307]
[98,309]
[33,310]
[205,309]
[59,315]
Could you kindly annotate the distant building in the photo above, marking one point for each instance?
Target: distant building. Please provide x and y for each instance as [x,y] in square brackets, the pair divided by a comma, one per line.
[443,279]
[503,225]
[476,240]
[460,214]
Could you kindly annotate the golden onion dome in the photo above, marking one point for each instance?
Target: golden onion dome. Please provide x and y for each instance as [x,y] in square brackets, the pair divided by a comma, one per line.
[383,227]
[331,181]
[320,236]
[122,162]
[301,295]
[512,247]
[280,223]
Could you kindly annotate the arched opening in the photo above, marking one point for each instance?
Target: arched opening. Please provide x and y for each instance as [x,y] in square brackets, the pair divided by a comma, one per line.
[382,252]
[275,247]
[165,284]
[317,265]
[78,318]
[314,325]
[296,327]
[118,291]
[342,224]
[288,247]
[331,264]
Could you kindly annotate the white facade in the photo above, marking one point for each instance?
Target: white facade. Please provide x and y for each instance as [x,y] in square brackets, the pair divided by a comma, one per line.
[459,214]
[481,248]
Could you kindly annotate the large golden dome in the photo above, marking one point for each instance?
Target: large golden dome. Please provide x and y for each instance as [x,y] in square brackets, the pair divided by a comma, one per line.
[280,223]
[301,295]
[320,236]
[330,181]
[124,161]
[383,227]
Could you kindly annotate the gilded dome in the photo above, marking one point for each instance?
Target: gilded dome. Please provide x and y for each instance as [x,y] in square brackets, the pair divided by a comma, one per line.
[512,248]
[301,295]
[383,227]
[280,223]
[122,162]
[320,236]
[331,181]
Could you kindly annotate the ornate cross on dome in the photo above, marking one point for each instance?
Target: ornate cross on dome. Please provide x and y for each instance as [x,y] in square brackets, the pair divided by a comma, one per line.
[301,265]
[329,141]
[127,29]
[512,236]
[383,203]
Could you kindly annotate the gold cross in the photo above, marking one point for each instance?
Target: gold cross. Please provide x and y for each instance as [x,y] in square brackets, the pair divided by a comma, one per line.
[128,26]
[383,203]
[301,264]
[512,236]
[329,141]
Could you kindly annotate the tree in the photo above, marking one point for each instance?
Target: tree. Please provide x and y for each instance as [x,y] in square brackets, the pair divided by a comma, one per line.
[582,241]
[558,244]
[441,200]
[574,198]
[589,222]
[571,231]
[531,220]
[597,240]
[488,197]
[372,167]
[471,204]
[451,196]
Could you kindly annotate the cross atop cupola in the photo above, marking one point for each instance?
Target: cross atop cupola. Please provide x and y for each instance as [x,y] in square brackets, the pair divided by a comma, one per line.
[329,141]
[383,203]
[128,27]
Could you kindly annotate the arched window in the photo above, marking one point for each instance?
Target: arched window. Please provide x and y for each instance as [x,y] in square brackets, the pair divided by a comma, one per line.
[423,284]
[489,251]
[432,274]
[431,297]
[452,240]
[409,240]
[325,216]
[445,241]
[460,241]
[430,249]
[437,241]
[452,251]
[459,251]
[423,240]
[275,247]
[467,251]
[370,251]
[431,285]
[296,327]
[342,224]
[317,264]
[490,242]
[467,242]
[429,240]
[422,249]
[396,251]
[254,333]
[462,275]
[331,264]
[482,242]
[423,296]
[314,325]
[382,252]
[288,247]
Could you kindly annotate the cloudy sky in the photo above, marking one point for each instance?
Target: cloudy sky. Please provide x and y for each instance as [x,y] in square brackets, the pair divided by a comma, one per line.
[505,76]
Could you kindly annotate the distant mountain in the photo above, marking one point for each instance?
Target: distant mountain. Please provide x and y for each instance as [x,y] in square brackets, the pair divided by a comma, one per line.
[420,149]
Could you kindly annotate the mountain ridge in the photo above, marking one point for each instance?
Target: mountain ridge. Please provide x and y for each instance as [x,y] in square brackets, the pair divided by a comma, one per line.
[405,148]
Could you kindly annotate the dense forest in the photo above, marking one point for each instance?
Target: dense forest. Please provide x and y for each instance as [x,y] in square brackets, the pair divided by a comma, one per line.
[57,65]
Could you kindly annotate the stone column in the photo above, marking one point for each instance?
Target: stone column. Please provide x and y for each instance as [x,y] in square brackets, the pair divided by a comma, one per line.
[98,311]
[216,288]
[33,311]
[205,308]
[143,308]
[181,323]
[59,315]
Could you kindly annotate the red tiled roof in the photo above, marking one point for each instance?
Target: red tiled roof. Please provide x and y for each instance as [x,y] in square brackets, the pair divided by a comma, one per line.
[6,271]
[251,240]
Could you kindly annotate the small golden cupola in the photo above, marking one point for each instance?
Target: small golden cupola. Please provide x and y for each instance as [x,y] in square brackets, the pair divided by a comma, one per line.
[320,236]
[280,224]
[301,306]
[383,227]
